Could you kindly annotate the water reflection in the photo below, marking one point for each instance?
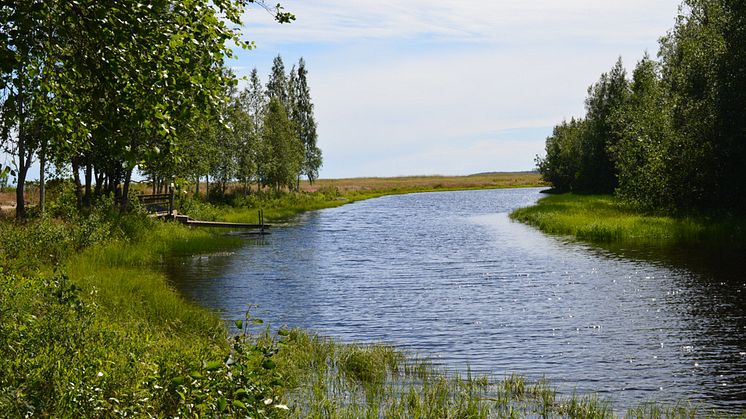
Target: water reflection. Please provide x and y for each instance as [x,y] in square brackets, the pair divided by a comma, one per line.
[449,275]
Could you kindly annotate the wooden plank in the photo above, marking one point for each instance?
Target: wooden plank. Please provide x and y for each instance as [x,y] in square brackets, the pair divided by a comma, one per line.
[225,225]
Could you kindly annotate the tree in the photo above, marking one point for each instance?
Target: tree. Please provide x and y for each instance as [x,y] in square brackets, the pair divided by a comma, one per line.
[562,164]
[253,103]
[282,151]
[26,38]
[277,85]
[305,123]
[112,82]
[597,173]
[689,56]
[645,131]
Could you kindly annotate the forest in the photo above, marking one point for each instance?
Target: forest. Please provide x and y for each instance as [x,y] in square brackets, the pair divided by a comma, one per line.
[672,137]
[98,91]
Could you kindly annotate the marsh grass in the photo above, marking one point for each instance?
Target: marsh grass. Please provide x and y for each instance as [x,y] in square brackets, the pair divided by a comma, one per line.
[603,218]
[328,379]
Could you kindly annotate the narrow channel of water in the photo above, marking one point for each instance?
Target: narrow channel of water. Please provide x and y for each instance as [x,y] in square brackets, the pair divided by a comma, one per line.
[450,276]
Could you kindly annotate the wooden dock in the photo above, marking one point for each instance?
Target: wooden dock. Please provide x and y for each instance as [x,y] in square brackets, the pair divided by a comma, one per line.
[162,206]
[256,228]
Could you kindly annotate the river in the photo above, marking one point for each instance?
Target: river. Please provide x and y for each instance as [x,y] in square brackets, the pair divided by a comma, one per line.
[448,275]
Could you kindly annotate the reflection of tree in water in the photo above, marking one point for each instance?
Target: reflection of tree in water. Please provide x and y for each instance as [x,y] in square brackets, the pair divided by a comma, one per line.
[713,283]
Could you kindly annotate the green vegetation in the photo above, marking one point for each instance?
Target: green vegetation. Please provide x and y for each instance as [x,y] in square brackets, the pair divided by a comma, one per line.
[671,138]
[353,381]
[100,332]
[99,89]
[604,218]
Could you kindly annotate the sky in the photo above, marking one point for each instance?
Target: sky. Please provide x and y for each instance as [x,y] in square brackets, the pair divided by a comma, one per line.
[449,87]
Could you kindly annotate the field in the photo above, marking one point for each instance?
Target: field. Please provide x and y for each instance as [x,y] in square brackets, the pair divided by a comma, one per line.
[415,183]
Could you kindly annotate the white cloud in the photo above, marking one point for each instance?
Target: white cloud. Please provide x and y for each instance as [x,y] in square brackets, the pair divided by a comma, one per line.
[401,85]
[340,21]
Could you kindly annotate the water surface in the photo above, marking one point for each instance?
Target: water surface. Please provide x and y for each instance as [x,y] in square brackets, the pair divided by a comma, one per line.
[448,275]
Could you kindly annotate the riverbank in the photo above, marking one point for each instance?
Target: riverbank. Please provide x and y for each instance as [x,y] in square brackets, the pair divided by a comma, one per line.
[606,219]
[90,327]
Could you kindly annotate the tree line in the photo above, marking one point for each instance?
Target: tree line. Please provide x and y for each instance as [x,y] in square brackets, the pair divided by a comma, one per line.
[101,87]
[263,135]
[673,136]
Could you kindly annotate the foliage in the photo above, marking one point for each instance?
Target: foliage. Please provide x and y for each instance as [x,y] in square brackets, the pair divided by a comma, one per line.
[281,154]
[301,113]
[672,137]
[110,337]
[103,87]
[561,166]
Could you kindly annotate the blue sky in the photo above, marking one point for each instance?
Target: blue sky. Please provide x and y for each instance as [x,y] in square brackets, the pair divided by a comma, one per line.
[449,87]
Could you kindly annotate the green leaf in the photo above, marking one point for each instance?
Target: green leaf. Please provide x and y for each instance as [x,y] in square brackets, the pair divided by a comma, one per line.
[239,324]
[269,364]
[178,380]
[222,404]
[213,365]
[239,404]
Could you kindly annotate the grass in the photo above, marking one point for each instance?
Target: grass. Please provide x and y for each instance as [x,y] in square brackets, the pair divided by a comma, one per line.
[333,380]
[604,218]
[93,329]
[408,184]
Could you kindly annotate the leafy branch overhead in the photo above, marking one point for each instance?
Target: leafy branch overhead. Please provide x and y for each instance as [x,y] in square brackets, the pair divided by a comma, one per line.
[281,16]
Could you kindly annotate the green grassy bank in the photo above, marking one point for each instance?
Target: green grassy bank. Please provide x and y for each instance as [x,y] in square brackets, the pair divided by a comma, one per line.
[604,218]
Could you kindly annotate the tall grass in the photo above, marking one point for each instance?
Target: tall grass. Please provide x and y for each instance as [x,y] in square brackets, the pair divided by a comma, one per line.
[328,379]
[101,333]
[603,218]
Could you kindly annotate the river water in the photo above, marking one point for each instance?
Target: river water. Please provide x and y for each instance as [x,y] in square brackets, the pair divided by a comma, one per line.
[448,275]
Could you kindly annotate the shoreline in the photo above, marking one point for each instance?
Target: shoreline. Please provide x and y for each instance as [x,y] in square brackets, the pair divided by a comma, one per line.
[182,350]
[606,219]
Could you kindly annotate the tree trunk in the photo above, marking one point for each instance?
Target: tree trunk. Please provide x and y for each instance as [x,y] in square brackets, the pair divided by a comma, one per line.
[88,175]
[126,190]
[196,190]
[207,186]
[76,179]
[24,161]
[42,183]
[99,181]
[21,186]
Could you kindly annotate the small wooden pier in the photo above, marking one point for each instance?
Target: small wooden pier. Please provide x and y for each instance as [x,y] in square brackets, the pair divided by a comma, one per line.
[261,228]
[162,206]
